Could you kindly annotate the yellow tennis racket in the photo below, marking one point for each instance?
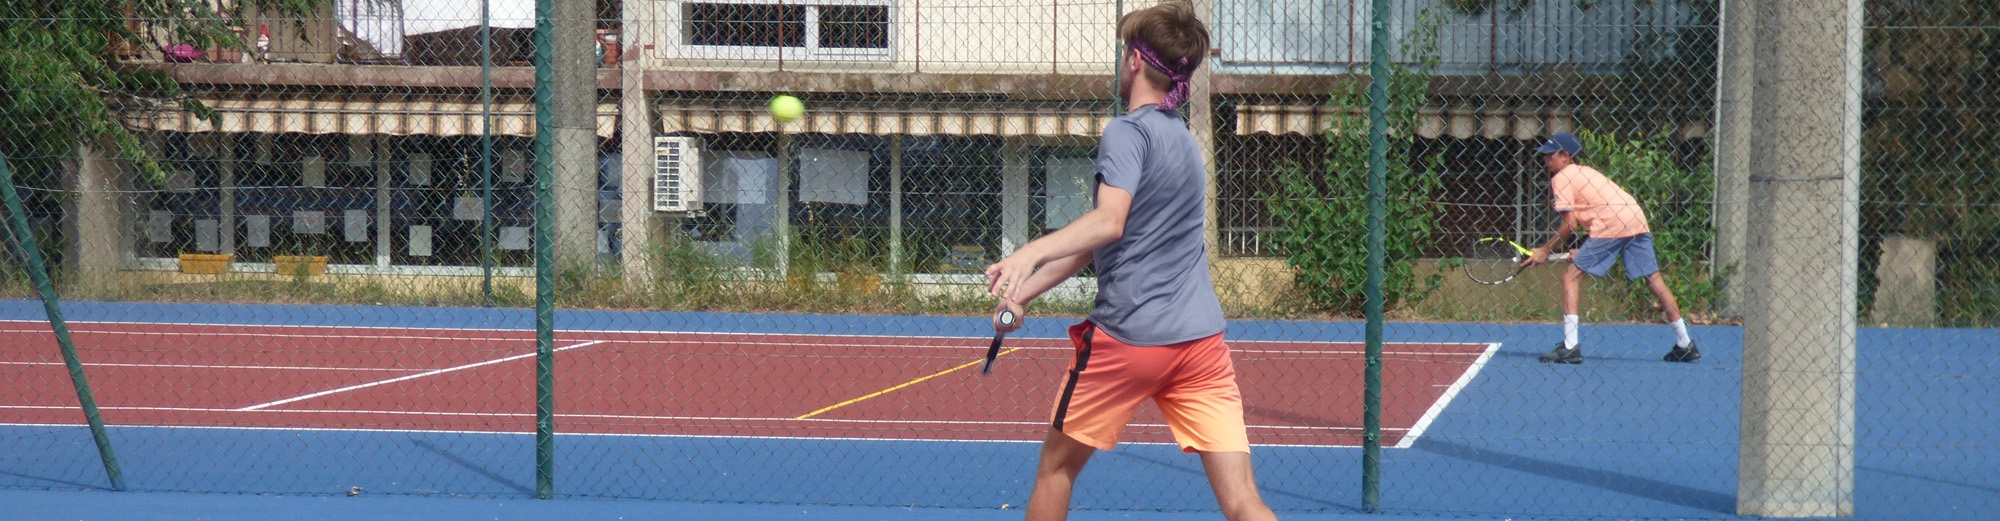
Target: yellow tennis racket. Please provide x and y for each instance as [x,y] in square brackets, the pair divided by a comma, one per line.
[1494,260]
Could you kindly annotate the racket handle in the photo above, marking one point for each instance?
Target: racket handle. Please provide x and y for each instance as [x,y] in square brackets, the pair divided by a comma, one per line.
[1005,318]
[1559,256]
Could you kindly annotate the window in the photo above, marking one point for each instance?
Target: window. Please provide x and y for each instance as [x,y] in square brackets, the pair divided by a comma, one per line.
[746,25]
[773,30]
[853,26]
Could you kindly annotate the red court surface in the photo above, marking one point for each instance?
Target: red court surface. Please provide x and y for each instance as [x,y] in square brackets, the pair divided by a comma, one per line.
[676,384]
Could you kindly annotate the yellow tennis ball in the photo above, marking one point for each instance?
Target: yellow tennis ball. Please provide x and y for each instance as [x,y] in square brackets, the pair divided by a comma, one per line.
[787,108]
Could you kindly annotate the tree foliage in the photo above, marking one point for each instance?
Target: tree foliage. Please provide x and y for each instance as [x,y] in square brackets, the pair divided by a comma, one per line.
[1678,209]
[1323,212]
[1929,149]
[63,85]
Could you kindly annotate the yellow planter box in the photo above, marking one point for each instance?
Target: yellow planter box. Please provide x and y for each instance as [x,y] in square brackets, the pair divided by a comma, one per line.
[863,283]
[300,265]
[800,282]
[204,263]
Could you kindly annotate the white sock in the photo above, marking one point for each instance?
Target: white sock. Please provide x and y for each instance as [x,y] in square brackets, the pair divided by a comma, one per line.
[1681,333]
[1569,331]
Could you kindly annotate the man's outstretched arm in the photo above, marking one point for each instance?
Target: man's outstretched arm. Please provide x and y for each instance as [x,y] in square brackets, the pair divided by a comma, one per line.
[1051,274]
[1008,278]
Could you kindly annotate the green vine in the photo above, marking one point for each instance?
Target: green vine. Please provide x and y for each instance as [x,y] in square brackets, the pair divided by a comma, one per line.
[1678,211]
[1322,210]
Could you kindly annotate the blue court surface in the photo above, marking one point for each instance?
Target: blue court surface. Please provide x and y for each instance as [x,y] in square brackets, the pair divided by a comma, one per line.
[1621,436]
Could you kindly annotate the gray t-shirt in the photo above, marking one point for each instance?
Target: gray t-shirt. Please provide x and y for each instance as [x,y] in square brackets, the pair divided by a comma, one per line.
[1153,286]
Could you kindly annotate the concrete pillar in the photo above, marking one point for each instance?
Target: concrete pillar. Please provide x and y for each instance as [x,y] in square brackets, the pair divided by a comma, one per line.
[635,130]
[1201,119]
[575,140]
[896,206]
[1014,195]
[1734,90]
[1797,440]
[226,157]
[781,225]
[384,227]
[99,241]
[1906,283]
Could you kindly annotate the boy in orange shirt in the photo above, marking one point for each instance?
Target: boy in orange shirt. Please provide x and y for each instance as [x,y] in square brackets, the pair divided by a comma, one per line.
[1617,227]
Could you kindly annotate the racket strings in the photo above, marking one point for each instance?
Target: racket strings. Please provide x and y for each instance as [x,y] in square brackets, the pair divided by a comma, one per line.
[1493,261]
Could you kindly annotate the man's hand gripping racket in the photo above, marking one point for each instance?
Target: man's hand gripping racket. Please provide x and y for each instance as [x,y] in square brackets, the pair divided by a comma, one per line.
[1004,281]
[1004,321]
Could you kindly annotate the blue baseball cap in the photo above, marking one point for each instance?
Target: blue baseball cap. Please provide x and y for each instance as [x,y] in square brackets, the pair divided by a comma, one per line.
[1561,142]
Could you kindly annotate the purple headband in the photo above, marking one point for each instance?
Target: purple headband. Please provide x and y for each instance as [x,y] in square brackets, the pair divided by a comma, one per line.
[1179,73]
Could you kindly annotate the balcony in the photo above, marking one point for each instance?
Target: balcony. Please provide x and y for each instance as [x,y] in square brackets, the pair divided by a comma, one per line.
[1331,37]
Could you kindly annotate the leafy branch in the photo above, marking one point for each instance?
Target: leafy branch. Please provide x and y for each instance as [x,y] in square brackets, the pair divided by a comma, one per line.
[1322,210]
[62,84]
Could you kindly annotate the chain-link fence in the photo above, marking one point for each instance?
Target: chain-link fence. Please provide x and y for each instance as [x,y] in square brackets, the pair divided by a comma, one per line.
[296,242]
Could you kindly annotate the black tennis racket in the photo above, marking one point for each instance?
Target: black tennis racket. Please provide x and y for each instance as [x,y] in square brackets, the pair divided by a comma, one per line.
[1006,318]
[1494,260]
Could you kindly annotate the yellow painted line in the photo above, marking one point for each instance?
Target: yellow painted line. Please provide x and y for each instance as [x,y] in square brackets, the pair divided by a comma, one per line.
[900,386]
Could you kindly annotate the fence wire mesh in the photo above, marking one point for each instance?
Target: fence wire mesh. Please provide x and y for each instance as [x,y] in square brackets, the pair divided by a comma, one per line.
[294,243]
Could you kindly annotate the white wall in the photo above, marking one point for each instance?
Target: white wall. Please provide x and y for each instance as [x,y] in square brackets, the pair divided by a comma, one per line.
[931,36]
[1331,36]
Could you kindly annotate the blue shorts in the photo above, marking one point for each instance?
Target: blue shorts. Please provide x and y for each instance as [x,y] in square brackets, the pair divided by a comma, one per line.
[1596,256]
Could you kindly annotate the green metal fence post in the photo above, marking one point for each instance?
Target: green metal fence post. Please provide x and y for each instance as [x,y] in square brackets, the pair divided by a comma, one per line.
[486,152]
[39,273]
[545,291]
[1378,149]
[1117,60]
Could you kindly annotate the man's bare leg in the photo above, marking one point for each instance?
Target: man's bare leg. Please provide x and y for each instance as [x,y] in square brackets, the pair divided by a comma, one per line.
[1235,486]
[1062,459]
[1658,284]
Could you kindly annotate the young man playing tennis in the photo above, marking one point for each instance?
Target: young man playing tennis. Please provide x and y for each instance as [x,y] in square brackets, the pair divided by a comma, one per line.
[1156,330]
[1617,228]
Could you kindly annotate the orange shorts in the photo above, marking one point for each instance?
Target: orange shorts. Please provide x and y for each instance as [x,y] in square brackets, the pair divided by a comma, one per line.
[1193,383]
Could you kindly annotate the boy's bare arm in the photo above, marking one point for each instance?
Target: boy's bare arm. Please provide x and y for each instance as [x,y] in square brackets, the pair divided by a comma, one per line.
[1563,231]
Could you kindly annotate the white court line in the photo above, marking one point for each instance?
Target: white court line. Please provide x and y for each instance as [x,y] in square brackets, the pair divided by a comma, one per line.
[979,343]
[616,435]
[1437,407]
[204,366]
[1430,415]
[828,349]
[411,377]
[632,332]
[279,335]
[651,417]
[291,326]
[971,342]
[121,408]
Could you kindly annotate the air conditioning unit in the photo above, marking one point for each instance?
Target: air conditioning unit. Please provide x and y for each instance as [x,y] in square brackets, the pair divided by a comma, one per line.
[676,174]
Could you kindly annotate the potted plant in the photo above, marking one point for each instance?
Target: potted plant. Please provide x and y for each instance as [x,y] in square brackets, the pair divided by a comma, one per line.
[205,263]
[300,265]
[222,51]
[857,274]
[803,263]
[179,53]
[303,262]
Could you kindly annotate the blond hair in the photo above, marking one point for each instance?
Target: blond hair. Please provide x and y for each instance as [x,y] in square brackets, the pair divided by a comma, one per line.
[1172,30]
